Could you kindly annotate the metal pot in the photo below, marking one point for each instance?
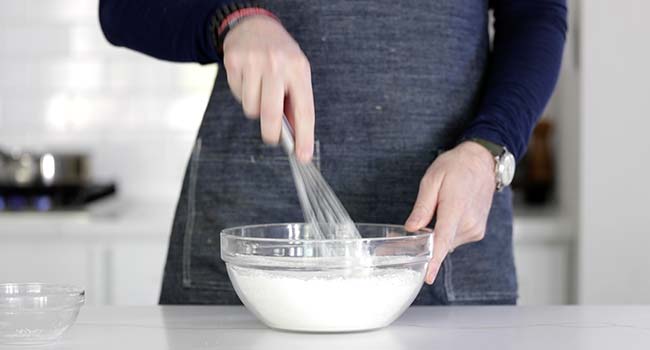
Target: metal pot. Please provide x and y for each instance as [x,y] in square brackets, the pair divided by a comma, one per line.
[48,169]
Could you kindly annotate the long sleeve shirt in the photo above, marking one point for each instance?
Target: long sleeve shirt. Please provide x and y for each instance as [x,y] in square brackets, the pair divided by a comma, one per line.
[522,70]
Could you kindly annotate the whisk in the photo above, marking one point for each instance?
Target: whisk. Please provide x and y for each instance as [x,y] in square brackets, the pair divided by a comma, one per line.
[321,207]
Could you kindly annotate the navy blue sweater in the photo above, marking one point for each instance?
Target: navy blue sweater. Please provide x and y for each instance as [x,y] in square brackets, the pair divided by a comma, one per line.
[522,72]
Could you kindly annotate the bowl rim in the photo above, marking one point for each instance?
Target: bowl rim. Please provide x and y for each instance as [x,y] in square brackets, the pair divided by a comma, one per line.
[68,290]
[225,234]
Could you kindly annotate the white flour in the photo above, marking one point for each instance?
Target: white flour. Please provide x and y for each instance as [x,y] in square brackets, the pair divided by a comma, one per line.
[322,302]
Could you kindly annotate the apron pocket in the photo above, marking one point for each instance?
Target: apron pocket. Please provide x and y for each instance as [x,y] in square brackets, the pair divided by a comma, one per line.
[484,271]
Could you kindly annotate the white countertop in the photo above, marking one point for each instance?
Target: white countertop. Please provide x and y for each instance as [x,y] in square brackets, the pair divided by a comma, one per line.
[485,327]
[113,219]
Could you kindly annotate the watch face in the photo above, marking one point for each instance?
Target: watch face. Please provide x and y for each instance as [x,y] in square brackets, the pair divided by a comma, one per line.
[508,165]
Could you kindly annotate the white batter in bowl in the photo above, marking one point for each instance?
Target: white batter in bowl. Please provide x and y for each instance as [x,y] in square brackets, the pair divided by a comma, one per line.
[291,282]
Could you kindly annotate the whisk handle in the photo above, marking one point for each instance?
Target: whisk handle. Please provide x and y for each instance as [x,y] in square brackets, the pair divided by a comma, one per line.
[286,137]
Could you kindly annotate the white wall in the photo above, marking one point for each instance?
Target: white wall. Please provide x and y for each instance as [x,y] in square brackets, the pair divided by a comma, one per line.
[614,261]
[565,108]
[63,86]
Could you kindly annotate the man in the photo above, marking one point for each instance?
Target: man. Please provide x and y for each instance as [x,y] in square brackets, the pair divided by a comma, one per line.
[417,118]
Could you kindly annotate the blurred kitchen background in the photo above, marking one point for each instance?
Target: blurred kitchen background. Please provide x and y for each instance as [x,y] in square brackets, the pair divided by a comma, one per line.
[581,193]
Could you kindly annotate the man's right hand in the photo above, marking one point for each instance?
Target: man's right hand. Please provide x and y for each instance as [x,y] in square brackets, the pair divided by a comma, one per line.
[268,72]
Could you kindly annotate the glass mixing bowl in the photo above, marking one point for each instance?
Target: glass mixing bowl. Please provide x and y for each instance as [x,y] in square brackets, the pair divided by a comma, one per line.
[37,313]
[292,282]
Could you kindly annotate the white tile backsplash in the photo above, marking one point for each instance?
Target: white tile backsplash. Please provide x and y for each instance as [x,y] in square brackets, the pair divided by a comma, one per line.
[72,74]
[75,113]
[63,11]
[15,75]
[64,87]
[22,113]
[13,9]
[34,39]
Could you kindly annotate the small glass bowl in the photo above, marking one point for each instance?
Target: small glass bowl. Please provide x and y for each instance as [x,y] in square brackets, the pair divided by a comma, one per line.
[291,281]
[37,313]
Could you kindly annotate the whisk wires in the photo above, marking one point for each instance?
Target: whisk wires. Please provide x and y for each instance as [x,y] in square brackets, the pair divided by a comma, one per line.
[321,207]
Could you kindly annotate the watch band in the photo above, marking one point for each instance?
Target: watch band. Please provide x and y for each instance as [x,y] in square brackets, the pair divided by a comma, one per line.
[496,149]
[503,162]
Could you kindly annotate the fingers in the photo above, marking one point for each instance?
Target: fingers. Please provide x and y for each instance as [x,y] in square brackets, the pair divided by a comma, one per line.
[234,76]
[302,109]
[271,106]
[264,97]
[425,204]
[447,220]
[251,90]
[265,66]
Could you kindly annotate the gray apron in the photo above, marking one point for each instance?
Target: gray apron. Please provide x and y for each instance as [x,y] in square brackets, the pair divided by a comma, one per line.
[395,83]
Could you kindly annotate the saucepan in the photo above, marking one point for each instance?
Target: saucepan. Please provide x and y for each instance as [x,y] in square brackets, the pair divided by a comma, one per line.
[24,168]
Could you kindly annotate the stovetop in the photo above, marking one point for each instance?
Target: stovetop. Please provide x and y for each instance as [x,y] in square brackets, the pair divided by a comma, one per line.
[41,198]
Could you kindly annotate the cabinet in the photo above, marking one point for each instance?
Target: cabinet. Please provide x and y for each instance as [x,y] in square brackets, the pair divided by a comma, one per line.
[135,272]
[46,261]
[543,273]
[120,273]
[544,246]
[117,259]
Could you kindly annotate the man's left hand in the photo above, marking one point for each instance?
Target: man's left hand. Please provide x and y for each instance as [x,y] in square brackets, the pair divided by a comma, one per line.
[458,187]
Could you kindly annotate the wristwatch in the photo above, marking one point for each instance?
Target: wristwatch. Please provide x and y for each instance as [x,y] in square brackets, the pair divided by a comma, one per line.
[504,162]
